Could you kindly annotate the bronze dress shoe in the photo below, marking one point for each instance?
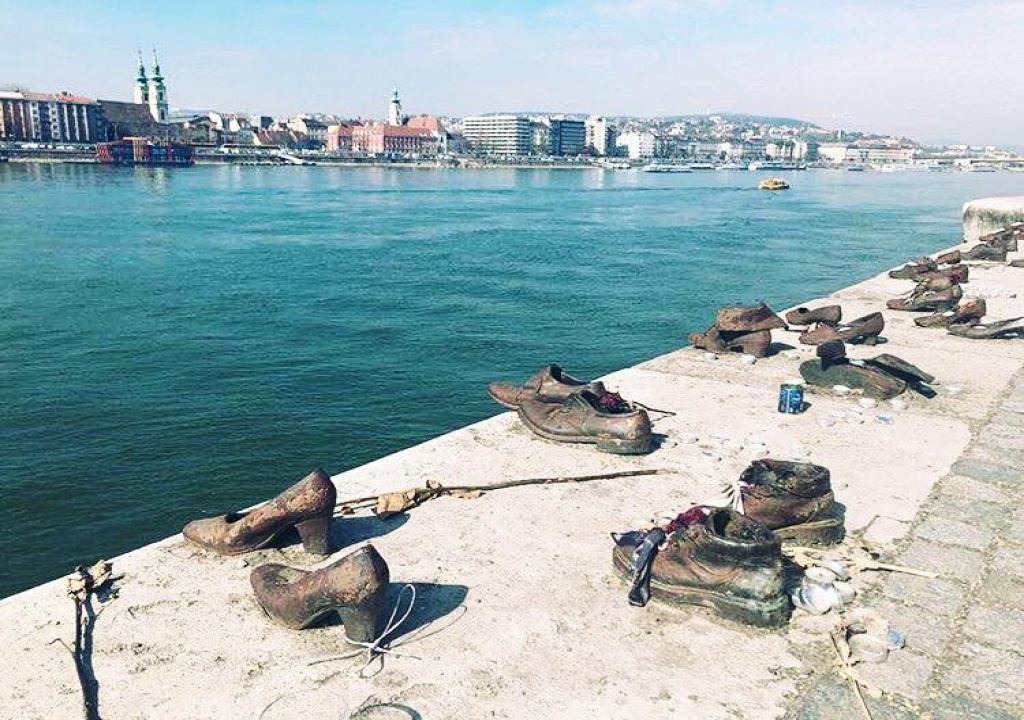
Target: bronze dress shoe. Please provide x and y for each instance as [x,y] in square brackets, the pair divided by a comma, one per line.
[968,311]
[756,343]
[794,500]
[720,560]
[550,384]
[993,253]
[607,421]
[956,274]
[998,330]
[354,587]
[308,506]
[862,330]
[950,258]
[829,314]
[924,299]
[913,269]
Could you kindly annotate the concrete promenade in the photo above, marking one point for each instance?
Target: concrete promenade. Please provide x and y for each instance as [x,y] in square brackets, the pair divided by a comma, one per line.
[518,613]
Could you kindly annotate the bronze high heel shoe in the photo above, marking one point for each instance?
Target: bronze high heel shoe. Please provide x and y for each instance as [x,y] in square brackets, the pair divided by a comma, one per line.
[308,506]
[354,587]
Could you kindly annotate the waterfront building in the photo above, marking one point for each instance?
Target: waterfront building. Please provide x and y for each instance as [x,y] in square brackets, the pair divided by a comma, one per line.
[381,139]
[128,119]
[312,128]
[791,150]
[38,117]
[140,95]
[600,136]
[568,137]
[395,109]
[540,137]
[434,126]
[500,135]
[640,145]
[339,138]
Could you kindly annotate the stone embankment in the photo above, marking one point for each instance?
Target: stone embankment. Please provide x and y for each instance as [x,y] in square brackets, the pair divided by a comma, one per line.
[989,214]
[518,613]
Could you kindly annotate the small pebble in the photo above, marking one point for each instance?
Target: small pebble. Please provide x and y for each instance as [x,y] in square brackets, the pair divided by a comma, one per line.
[801,451]
[709,356]
[826,421]
[885,419]
[243,563]
[841,390]
[687,438]
[748,359]
[867,403]
[954,390]
[756,452]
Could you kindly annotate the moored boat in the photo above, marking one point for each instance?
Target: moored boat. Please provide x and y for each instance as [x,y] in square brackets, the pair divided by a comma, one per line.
[773,184]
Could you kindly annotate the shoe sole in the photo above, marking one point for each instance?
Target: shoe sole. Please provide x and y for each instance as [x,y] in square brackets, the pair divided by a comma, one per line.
[610,445]
[819,533]
[759,613]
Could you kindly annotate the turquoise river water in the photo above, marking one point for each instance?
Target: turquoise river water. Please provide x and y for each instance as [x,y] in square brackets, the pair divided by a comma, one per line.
[178,343]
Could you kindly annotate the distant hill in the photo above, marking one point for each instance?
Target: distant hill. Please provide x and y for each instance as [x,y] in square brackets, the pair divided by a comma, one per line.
[754,119]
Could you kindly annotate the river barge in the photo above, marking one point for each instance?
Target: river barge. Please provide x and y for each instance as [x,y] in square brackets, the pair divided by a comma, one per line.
[145,151]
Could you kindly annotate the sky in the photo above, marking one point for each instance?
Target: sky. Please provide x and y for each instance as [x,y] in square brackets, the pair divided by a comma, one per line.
[933,70]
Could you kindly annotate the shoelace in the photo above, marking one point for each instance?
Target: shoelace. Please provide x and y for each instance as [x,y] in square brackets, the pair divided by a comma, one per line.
[376,649]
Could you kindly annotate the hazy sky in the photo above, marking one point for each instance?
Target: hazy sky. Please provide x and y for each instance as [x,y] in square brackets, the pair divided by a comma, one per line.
[935,70]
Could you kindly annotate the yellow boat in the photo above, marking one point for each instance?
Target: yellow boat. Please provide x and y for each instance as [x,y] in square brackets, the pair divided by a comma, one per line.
[773,184]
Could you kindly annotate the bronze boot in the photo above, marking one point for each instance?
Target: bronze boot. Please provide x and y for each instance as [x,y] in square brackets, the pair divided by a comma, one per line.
[354,587]
[614,425]
[756,343]
[794,499]
[862,330]
[308,506]
[968,311]
[550,384]
[740,318]
[830,315]
[720,560]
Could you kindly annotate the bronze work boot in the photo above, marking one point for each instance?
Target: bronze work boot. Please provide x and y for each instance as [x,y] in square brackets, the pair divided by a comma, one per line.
[794,500]
[614,425]
[968,311]
[308,506]
[354,587]
[718,559]
[756,343]
[862,330]
[740,318]
[830,315]
[550,384]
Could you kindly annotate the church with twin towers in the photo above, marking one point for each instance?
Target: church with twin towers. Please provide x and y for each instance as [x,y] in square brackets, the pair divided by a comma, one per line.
[151,90]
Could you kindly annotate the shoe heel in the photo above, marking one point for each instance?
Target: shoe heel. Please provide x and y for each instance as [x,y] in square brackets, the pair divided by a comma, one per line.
[759,613]
[314,534]
[362,621]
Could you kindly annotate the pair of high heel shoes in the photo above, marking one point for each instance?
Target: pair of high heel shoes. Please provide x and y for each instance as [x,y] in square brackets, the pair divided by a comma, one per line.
[827,325]
[353,587]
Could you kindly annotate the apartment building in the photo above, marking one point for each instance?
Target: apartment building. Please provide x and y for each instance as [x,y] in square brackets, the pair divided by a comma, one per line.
[504,135]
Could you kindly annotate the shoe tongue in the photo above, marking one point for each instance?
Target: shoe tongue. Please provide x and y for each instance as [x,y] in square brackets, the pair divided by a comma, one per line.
[737,527]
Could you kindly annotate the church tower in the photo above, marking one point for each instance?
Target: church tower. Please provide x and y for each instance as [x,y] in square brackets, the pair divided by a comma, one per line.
[141,84]
[395,109]
[157,93]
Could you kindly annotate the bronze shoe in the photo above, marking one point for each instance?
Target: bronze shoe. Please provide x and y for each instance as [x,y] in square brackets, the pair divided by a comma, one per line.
[354,587]
[740,318]
[308,506]
[955,274]
[832,368]
[614,425]
[950,258]
[721,560]
[794,500]
[913,269]
[934,300]
[993,253]
[550,384]
[829,314]
[756,343]
[967,311]
[1000,329]
[862,330]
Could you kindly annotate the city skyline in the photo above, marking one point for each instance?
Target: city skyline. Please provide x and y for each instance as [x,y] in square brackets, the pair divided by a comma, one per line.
[935,73]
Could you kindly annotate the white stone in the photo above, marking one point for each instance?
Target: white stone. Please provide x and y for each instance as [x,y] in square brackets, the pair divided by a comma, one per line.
[867,403]
[748,359]
[841,390]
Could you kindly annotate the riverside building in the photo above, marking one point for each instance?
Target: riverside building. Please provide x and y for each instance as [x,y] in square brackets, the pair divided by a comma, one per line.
[151,91]
[37,117]
[600,136]
[501,135]
[568,137]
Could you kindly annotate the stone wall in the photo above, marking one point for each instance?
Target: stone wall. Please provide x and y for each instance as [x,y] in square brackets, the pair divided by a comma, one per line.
[989,214]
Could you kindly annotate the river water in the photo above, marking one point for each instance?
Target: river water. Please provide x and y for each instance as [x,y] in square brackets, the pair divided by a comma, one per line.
[182,342]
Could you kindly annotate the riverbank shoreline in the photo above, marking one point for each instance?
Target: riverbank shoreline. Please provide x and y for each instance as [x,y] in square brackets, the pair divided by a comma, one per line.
[526,618]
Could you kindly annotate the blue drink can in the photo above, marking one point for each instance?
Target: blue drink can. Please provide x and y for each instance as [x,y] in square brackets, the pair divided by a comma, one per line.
[791,398]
